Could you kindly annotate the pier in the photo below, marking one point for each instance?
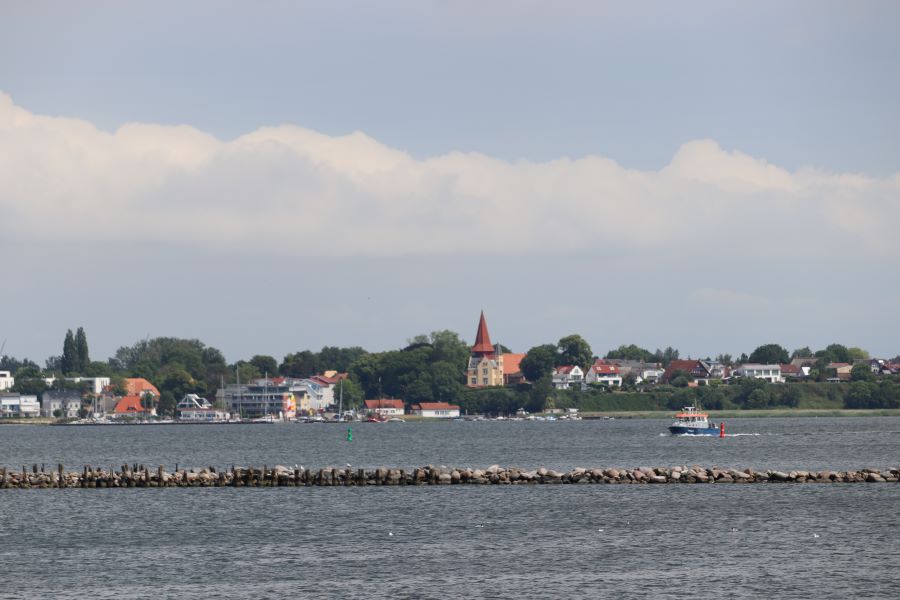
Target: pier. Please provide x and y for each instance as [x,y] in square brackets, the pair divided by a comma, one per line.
[141,476]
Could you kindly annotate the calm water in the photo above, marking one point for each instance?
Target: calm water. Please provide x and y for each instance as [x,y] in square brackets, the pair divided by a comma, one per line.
[460,542]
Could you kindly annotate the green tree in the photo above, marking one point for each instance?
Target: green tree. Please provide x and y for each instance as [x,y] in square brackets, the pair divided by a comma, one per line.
[69,363]
[265,364]
[446,381]
[81,351]
[835,353]
[539,395]
[245,372]
[804,352]
[725,359]
[857,354]
[631,352]
[300,364]
[367,372]
[665,356]
[862,394]
[574,350]
[681,378]
[861,372]
[353,394]
[30,385]
[167,403]
[770,354]
[539,362]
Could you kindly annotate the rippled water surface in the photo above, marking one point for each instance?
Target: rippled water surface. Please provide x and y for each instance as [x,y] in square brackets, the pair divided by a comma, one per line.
[619,541]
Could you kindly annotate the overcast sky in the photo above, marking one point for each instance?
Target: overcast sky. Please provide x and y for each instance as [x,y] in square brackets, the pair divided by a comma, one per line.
[277,176]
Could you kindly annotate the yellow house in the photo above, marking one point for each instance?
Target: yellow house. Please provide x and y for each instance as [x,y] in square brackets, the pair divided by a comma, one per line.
[486,362]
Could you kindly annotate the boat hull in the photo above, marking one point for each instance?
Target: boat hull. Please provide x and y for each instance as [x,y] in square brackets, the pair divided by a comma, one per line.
[685,430]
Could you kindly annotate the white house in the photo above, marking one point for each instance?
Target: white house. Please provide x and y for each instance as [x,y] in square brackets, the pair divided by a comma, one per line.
[604,374]
[18,405]
[770,373]
[6,380]
[68,404]
[196,408]
[567,376]
[386,407]
[441,410]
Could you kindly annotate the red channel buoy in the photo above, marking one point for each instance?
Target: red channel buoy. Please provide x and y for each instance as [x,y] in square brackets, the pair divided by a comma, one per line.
[721,430]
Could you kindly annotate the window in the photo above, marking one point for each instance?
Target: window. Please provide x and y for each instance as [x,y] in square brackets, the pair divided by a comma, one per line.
[474,380]
[484,381]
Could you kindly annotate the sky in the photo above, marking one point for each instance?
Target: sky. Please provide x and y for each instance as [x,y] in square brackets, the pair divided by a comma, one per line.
[280,176]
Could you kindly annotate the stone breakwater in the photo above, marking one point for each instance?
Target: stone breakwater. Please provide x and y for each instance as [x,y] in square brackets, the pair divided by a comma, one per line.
[140,476]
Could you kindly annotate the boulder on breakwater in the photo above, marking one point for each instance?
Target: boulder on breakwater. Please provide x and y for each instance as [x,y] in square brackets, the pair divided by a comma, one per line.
[140,476]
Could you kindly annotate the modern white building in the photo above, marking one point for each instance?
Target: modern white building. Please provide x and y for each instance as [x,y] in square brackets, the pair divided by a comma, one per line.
[19,405]
[198,409]
[567,376]
[770,373]
[6,380]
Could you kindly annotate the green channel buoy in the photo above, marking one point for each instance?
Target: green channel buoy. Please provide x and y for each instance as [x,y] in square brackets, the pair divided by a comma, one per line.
[349,434]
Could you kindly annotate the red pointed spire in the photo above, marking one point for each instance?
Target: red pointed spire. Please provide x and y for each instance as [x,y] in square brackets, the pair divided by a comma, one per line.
[482,339]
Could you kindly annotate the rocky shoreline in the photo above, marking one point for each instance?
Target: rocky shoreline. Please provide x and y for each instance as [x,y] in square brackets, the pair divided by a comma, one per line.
[140,476]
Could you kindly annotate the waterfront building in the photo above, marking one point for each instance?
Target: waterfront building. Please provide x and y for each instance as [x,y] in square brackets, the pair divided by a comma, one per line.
[442,410]
[198,409]
[385,407]
[67,402]
[280,398]
[6,380]
[131,405]
[19,405]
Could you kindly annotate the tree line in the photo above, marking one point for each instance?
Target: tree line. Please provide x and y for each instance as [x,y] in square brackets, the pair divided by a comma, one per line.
[431,367]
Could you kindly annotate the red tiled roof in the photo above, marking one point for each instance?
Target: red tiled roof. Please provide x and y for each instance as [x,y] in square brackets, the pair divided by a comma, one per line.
[129,404]
[384,403]
[790,370]
[482,338]
[565,369]
[605,369]
[511,363]
[687,366]
[137,386]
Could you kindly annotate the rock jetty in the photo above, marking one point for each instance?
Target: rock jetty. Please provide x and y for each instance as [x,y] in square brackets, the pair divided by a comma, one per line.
[140,476]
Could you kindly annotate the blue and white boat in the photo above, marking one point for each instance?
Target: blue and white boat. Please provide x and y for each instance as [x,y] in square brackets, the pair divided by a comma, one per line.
[691,421]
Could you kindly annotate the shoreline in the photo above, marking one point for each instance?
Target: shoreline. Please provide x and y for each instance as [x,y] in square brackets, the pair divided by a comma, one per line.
[637,414]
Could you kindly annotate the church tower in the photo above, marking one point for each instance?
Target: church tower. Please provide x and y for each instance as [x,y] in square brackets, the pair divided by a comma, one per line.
[486,362]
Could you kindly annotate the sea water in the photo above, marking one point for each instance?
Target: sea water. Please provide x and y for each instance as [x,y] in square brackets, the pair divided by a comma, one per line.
[618,541]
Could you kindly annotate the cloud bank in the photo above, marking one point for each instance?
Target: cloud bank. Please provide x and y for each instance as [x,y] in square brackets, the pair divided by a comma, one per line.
[299,192]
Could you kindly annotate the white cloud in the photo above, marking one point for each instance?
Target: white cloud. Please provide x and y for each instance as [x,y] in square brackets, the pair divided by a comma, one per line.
[301,192]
